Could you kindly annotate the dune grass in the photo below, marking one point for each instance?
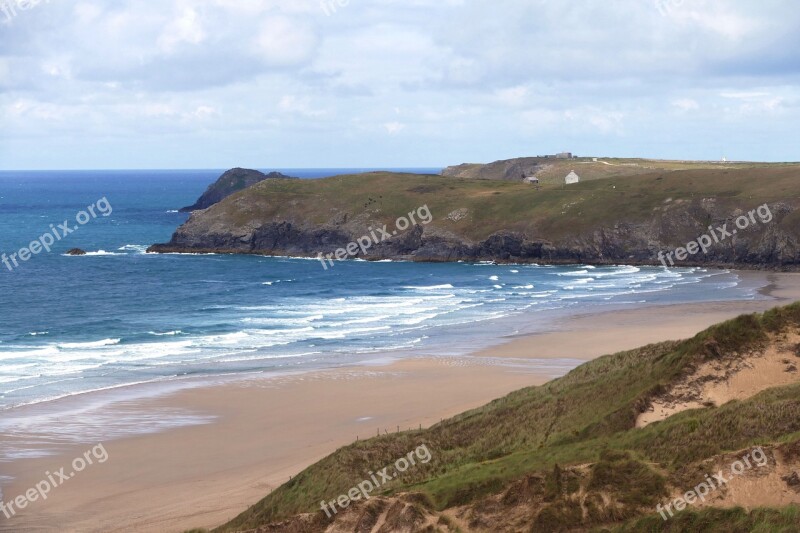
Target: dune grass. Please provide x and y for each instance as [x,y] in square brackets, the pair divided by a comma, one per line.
[588,416]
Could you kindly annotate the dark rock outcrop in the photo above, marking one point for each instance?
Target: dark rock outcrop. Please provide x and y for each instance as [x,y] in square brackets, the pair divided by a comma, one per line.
[76,251]
[645,221]
[232,181]
[769,247]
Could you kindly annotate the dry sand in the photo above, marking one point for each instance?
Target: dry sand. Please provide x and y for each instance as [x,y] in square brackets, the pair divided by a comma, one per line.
[269,429]
[740,378]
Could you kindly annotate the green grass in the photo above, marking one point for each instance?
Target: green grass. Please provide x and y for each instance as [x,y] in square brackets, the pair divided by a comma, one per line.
[588,416]
[553,171]
[555,211]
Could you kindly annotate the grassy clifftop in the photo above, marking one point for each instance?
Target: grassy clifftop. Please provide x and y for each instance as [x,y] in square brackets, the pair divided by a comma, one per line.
[614,219]
[551,170]
[236,179]
[556,210]
[568,456]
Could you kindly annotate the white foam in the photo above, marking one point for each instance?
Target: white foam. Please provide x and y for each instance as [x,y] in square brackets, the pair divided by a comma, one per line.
[98,253]
[26,353]
[431,287]
[574,273]
[89,345]
[138,248]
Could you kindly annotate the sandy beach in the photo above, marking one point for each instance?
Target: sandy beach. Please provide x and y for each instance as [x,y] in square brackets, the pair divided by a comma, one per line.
[265,430]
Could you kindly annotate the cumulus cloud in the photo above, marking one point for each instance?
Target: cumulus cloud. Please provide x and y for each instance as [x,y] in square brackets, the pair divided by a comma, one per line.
[283,41]
[294,84]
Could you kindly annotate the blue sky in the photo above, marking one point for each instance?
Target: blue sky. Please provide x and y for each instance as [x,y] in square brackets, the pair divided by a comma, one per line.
[391,83]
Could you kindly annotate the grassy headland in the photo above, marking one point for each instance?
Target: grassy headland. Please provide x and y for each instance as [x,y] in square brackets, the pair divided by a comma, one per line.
[613,219]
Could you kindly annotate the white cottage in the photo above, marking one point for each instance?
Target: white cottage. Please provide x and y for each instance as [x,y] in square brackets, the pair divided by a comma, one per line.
[572,178]
[533,180]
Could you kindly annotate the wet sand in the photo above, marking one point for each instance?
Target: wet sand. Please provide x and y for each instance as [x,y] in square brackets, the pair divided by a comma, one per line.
[266,429]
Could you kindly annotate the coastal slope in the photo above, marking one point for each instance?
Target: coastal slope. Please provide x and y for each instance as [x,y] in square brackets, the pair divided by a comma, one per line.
[635,219]
[570,455]
[553,169]
[234,180]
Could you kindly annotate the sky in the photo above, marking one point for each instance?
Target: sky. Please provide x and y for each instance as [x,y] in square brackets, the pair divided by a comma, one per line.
[108,84]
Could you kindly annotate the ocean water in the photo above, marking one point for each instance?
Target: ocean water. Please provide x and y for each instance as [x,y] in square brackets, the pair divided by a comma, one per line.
[119,316]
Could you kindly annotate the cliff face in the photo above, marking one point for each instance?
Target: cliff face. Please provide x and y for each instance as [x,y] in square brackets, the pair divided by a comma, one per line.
[230,182]
[635,244]
[600,225]
[511,169]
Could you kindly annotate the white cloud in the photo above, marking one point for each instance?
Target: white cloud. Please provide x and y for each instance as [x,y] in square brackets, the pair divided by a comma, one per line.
[185,28]
[393,128]
[301,106]
[752,95]
[283,41]
[440,80]
[513,95]
[686,104]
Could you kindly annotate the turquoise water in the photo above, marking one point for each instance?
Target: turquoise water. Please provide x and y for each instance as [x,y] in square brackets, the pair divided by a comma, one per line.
[120,316]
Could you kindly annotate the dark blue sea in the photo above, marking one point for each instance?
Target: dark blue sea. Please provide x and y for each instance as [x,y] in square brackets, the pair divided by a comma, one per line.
[119,316]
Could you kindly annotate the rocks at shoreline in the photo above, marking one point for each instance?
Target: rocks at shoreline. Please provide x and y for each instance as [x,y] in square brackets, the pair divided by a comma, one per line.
[621,245]
[636,221]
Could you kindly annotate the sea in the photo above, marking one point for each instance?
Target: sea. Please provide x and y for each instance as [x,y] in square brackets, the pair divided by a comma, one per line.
[118,316]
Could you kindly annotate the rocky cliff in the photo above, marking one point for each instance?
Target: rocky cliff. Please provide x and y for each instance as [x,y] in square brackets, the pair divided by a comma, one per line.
[230,182]
[740,222]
